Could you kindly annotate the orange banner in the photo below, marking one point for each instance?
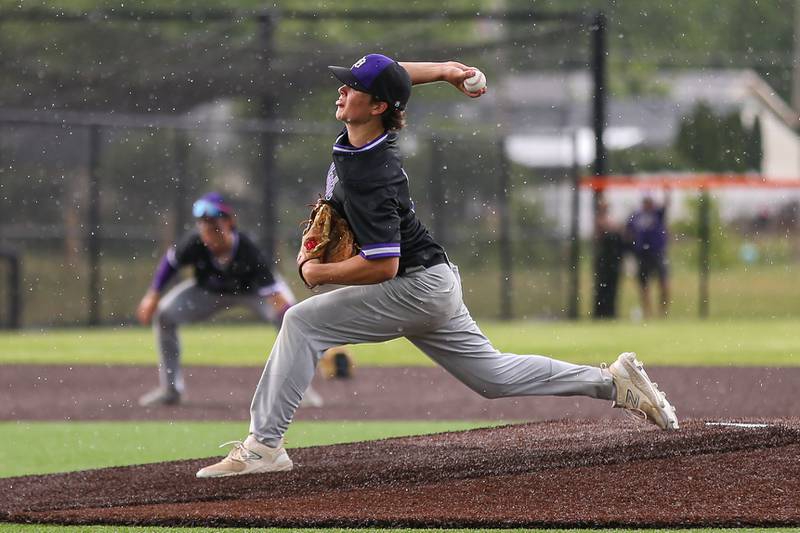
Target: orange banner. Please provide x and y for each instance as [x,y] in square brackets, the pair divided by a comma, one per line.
[691,181]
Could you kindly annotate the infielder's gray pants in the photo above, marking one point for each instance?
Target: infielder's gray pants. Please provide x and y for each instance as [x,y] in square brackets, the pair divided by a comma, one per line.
[424,306]
[185,303]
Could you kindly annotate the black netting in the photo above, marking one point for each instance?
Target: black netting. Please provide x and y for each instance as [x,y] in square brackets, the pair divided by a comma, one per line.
[146,115]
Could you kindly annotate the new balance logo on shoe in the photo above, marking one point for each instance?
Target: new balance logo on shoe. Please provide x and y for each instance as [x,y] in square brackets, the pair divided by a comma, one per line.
[638,395]
[631,400]
[246,455]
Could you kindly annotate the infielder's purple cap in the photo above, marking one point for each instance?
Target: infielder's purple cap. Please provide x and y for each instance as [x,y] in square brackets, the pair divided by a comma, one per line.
[211,205]
[380,76]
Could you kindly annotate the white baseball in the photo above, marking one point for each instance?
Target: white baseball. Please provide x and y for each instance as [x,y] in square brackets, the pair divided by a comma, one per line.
[476,82]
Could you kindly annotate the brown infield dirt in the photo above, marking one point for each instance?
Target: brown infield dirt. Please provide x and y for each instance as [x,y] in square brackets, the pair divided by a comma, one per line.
[552,474]
[735,468]
[42,392]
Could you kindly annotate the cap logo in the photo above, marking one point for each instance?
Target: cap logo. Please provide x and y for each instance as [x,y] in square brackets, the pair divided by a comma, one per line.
[379,76]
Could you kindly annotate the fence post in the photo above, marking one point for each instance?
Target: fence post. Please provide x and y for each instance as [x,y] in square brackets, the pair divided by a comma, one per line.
[574,234]
[598,68]
[704,238]
[93,243]
[504,214]
[599,96]
[14,292]
[181,154]
[266,24]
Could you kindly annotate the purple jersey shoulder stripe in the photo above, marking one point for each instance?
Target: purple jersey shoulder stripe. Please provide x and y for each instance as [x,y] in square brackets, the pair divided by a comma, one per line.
[172,259]
[375,251]
[381,245]
[380,255]
[342,148]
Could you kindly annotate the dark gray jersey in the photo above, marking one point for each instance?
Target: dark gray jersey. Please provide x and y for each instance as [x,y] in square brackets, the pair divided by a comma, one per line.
[248,271]
[369,187]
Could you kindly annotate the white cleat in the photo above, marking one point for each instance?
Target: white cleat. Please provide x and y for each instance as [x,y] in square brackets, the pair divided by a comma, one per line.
[160,396]
[249,457]
[639,395]
[312,399]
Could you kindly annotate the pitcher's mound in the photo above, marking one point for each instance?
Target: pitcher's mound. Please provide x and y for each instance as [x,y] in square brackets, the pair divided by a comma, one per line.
[554,474]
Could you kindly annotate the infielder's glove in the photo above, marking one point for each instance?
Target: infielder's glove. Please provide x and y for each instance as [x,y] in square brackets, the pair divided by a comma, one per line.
[336,363]
[327,237]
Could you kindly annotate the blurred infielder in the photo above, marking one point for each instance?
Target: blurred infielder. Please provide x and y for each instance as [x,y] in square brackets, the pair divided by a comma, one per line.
[229,271]
[401,284]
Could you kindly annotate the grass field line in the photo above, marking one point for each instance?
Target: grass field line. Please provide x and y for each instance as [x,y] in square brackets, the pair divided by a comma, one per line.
[86,445]
[762,342]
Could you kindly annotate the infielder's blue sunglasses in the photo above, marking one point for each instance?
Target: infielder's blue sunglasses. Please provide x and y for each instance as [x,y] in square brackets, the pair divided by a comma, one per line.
[204,208]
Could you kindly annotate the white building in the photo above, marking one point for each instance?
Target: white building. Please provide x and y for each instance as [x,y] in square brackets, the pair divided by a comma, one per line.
[546,118]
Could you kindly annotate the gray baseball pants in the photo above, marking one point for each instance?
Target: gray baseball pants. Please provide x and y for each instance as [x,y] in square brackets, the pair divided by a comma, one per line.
[185,303]
[426,307]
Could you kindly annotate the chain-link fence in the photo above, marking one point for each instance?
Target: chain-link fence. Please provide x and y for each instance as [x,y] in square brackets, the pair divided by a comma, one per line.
[115,121]
[91,219]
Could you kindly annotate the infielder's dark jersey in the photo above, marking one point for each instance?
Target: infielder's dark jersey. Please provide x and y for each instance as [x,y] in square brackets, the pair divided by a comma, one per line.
[369,187]
[247,272]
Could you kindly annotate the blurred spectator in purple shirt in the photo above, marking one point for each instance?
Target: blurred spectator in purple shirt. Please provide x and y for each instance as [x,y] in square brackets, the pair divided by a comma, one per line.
[647,234]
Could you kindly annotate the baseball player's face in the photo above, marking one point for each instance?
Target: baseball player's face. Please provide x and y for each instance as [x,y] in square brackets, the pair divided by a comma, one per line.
[355,107]
[215,233]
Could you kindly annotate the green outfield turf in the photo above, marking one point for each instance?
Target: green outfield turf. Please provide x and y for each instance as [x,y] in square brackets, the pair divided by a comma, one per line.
[741,342]
[67,446]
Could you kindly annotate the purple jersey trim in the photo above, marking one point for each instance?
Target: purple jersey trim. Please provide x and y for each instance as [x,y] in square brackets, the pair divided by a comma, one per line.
[269,290]
[163,273]
[377,251]
[350,149]
[172,258]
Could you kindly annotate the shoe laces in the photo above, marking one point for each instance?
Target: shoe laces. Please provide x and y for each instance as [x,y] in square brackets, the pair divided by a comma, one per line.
[638,415]
[239,452]
[635,414]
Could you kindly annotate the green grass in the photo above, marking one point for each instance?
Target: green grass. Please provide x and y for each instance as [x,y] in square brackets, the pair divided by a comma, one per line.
[56,287]
[757,342]
[737,291]
[68,446]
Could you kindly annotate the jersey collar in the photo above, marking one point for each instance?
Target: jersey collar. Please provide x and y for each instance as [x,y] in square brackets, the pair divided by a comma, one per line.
[223,262]
[342,143]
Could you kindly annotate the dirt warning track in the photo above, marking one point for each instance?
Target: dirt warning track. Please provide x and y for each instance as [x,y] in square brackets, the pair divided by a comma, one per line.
[554,474]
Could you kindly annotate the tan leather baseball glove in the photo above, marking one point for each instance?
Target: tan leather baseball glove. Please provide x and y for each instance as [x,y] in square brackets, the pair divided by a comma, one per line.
[327,237]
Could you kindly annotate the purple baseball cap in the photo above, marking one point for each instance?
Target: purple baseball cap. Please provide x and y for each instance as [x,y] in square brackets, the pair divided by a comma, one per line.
[380,76]
[211,205]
